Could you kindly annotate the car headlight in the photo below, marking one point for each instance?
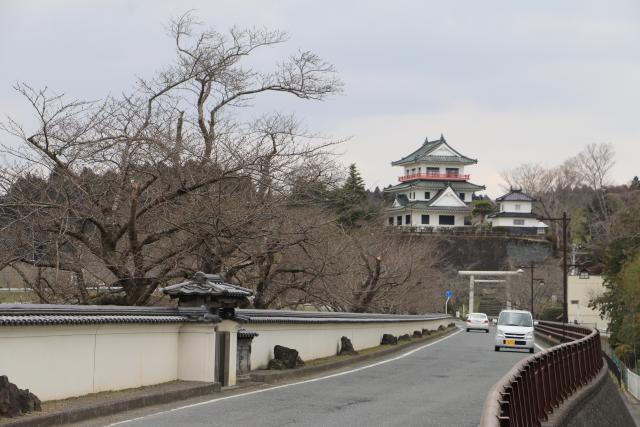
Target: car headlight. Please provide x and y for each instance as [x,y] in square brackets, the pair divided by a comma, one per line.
[529,335]
[500,334]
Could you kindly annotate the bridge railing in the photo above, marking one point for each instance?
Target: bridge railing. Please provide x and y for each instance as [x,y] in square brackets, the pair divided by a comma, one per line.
[535,385]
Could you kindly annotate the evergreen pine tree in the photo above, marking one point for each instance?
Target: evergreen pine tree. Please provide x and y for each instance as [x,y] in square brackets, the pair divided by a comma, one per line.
[351,199]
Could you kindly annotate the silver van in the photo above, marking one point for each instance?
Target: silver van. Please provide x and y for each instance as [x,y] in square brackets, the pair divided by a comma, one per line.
[515,330]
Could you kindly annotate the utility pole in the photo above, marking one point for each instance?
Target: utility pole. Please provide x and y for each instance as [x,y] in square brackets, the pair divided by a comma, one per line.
[565,280]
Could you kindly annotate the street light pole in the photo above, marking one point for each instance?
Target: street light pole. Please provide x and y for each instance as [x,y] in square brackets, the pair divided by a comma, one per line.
[532,267]
[532,290]
[565,280]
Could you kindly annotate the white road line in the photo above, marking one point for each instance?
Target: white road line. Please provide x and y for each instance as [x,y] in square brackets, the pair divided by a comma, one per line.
[382,362]
[540,347]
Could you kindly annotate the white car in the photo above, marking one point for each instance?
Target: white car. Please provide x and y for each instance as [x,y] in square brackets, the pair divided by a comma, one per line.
[477,321]
[515,330]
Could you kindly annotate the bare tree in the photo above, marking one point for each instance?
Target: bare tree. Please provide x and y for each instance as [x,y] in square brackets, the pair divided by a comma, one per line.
[593,165]
[132,189]
[378,272]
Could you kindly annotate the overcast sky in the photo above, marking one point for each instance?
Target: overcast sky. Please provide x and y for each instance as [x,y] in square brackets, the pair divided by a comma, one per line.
[507,82]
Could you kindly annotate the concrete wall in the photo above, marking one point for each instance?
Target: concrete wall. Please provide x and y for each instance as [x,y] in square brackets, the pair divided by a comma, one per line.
[315,341]
[66,360]
[597,404]
[57,362]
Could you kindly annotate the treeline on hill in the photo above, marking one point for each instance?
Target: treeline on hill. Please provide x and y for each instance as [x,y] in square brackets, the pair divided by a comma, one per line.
[605,230]
[143,190]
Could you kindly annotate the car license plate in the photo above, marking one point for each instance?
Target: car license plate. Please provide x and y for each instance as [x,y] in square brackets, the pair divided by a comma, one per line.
[510,342]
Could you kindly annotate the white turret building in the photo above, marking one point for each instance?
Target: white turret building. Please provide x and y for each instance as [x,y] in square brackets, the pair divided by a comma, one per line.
[434,188]
[515,213]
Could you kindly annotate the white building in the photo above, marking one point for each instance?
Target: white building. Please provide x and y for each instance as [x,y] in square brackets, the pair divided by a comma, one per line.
[581,290]
[434,190]
[515,212]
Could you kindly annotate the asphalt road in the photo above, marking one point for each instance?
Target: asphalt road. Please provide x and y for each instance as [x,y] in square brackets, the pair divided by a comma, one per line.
[443,384]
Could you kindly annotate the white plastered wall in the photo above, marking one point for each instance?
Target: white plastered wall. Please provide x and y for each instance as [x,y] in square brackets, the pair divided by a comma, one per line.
[313,341]
[510,206]
[508,222]
[57,362]
[416,219]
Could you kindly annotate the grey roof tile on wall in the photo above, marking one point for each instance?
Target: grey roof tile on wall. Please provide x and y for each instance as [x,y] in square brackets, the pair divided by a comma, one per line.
[85,320]
[282,316]
[53,314]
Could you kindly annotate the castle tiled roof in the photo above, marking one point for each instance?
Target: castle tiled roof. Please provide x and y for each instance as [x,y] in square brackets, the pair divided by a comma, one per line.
[435,185]
[515,195]
[425,153]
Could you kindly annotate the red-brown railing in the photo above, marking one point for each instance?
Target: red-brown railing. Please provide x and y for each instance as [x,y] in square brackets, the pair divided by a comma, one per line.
[434,176]
[538,384]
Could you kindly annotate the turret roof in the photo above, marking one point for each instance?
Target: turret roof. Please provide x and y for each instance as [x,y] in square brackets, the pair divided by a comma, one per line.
[515,195]
[427,153]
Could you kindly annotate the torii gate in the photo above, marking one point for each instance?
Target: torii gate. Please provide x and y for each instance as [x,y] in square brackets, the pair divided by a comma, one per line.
[472,275]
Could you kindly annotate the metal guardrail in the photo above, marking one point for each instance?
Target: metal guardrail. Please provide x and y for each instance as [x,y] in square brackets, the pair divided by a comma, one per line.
[539,383]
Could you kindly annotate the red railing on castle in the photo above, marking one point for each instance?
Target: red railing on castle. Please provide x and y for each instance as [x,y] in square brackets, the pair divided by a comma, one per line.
[434,176]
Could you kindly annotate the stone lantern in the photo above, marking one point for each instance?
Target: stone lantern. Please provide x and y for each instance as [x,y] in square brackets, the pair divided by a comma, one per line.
[210,291]
[243,364]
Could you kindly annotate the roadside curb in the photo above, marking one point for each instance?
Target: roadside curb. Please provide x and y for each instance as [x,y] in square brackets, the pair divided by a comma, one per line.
[96,410]
[270,377]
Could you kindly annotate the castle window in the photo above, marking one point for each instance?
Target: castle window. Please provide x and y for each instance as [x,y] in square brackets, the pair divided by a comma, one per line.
[425,219]
[461,196]
[453,171]
[518,222]
[427,195]
[433,171]
[407,220]
[390,220]
[447,220]
[399,220]
[517,207]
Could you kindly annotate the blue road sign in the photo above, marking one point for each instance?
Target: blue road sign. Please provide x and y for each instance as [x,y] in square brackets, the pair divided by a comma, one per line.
[449,294]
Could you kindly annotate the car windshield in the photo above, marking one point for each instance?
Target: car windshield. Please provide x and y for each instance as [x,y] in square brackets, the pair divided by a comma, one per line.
[515,319]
